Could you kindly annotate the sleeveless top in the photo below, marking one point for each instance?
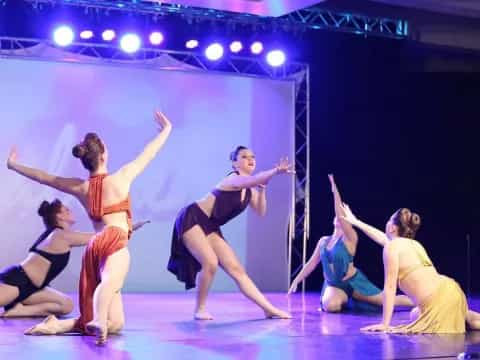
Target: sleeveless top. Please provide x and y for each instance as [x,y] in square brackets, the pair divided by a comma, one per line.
[58,262]
[95,204]
[335,261]
[228,204]
[422,257]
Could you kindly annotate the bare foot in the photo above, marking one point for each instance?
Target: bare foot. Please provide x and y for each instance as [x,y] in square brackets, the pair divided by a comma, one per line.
[277,314]
[49,326]
[202,315]
[14,312]
[99,331]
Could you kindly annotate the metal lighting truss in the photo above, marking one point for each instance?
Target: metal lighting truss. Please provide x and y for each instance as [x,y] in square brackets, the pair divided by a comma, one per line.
[314,17]
[83,52]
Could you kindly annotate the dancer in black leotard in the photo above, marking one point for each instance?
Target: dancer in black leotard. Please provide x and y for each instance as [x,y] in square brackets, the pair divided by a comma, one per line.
[24,288]
[198,245]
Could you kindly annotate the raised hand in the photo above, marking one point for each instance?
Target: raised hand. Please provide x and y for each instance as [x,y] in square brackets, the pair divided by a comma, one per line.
[12,157]
[284,167]
[349,216]
[162,120]
[140,224]
[332,182]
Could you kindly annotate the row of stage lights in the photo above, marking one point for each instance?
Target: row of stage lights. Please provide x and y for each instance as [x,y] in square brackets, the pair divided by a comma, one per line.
[131,43]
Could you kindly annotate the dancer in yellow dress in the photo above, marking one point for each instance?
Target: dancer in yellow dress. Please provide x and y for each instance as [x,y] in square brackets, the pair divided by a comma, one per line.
[441,304]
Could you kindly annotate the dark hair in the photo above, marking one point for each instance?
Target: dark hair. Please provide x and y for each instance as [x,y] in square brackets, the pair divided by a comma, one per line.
[89,151]
[234,153]
[48,212]
[407,222]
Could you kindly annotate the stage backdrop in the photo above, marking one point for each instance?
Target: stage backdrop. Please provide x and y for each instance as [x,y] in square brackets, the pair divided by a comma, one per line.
[47,107]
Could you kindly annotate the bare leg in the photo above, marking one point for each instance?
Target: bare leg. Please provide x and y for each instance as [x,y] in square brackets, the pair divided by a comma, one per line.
[53,326]
[400,300]
[113,276]
[333,299]
[8,294]
[116,315]
[473,320]
[42,303]
[198,245]
[229,262]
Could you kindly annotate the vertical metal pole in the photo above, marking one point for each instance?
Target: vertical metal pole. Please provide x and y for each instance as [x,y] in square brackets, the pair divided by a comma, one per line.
[306,214]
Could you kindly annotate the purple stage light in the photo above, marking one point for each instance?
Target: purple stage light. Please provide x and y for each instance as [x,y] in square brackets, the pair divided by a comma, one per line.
[236,46]
[214,51]
[276,58]
[86,34]
[63,35]
[256,48]
[108,35]
[130,43]
[156,38]
[191,44]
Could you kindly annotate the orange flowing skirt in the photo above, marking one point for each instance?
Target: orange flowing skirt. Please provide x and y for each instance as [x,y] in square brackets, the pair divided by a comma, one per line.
[100,247]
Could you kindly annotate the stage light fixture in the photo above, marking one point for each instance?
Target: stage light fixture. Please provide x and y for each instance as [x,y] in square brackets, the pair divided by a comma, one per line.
[86,34]
[276,58]
[108,35]
[130,43]
[256,48]
[156,38]
[236,46]
[191,44]
[214,51]
[63,35]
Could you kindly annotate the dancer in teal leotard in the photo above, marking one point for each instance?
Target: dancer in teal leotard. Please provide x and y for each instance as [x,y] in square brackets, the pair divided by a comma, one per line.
[343,281]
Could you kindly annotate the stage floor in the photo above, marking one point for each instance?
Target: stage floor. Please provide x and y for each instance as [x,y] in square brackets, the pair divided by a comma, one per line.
[160,326]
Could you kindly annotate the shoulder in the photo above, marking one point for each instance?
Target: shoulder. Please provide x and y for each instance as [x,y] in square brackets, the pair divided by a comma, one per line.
[59,234]
[393,246]
[228,182]
[322,241]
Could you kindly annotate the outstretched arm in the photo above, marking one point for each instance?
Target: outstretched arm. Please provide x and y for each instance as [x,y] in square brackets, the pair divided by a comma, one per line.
[307,269]
[373,233]
[140,224]
[350,233]
[71,186]
[131,170]
[262,178]
[391,263]
[77,238]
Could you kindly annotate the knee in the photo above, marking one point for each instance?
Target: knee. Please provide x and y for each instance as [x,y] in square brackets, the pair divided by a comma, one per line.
[414,314]
[210,266]
[66,306]
[115,326]
[237,271]
[332,306]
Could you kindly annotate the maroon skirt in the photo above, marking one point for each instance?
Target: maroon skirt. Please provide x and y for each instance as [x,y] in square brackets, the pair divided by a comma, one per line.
[182,263]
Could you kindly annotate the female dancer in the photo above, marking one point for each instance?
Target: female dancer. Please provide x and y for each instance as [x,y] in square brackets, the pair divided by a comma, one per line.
[197,241]
[24,288]
[441,303]
[106,259]
[343,281]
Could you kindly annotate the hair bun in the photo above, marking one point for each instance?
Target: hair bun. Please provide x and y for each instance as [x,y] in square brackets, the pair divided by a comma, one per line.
[79,150]
[44,208]
[415,221]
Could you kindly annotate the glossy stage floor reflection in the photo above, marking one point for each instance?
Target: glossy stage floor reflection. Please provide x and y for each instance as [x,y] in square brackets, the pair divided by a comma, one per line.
[159,326]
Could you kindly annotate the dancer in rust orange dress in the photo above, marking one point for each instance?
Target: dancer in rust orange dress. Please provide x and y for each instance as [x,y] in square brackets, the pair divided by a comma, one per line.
[106,259]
